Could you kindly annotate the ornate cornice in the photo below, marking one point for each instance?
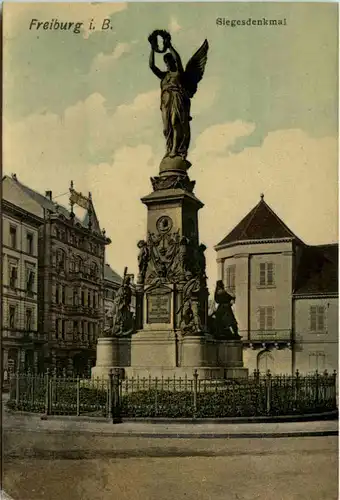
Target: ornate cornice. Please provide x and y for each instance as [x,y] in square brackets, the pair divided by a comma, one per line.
[16,211]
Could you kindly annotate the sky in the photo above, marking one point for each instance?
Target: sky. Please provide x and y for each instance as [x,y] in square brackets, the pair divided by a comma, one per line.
[86,107]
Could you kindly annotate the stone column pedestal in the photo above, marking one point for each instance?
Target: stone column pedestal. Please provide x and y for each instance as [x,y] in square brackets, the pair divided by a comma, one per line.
[230,356]
[193,351]
[107,357]
[230,353]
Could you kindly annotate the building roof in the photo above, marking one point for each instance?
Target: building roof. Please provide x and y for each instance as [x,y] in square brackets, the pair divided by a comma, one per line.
[111,275]
[50,205]
[317,271]
[261,223]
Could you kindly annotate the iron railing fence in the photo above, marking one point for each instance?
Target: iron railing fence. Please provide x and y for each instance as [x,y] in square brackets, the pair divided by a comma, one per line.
[137,397]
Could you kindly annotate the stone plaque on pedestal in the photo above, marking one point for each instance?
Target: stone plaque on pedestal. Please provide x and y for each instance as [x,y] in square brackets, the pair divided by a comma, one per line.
[158,305]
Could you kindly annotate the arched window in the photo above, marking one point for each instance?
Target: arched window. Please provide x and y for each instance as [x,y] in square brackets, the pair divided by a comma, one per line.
[61,260]
[79,264]
[94,270]
[265,361]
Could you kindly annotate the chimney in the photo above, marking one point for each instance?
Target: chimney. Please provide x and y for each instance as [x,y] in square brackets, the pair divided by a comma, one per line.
[48,194]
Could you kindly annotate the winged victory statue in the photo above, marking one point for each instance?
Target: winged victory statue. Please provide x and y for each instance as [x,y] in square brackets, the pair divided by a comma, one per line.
[178,87]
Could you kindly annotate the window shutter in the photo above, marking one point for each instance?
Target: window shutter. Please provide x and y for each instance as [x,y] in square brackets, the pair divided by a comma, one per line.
[270,318]
[262,274]
[321,318]
[313,316]
[270,273]
[262,318]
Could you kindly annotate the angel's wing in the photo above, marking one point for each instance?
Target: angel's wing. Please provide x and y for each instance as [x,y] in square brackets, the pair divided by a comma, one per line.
[195,69]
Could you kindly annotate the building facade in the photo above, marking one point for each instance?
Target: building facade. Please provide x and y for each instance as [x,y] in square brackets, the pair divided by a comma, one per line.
[70,293]
[21,340]
[286,294]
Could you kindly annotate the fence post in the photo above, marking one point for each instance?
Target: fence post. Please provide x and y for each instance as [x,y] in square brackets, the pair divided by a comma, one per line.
[17,388]
[31,380]
[110,415]
[195,392]
[116,417]
[335,390]
[268,392]
[47,393]
[316,387]
[156,396]
[297,388]
[325,388]
[78,396]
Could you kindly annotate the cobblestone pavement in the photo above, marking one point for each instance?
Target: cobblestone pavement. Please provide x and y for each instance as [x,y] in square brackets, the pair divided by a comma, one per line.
[87,465]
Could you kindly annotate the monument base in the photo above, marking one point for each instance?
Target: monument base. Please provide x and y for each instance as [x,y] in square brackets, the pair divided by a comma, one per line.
[166,354]
[112,352]
[154,348]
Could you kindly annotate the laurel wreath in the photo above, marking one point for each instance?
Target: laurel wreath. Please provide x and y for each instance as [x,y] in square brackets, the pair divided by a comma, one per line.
[153,39]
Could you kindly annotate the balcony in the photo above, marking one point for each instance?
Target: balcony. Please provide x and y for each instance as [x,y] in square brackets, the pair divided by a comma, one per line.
[84,274]
[83,311]
[22,335]
[266,336]
[271,335]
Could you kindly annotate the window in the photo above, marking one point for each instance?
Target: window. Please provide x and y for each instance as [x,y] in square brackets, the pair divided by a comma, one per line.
[75,329]
[61,260]
[266,318]
[317,361]
[231,278]
[75,297]
[83,298]
[63,294]
[12,317]
[317,319]
[79,265]
[94,270]
[13,236]
[29,243]
[56,328]
[72,266]
[57,294]
[29,317]
[29,280]
[13,276]
[63,329]
[90,327]
[266,274]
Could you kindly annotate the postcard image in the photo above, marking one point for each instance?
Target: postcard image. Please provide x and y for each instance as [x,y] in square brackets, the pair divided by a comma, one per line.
[169,293]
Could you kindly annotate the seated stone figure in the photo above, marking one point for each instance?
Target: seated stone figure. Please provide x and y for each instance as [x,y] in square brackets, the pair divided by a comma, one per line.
[222,323]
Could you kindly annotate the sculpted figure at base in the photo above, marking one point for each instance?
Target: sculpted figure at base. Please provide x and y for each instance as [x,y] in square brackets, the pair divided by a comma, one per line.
[223,323]
[143,260]
[190,314]
[122,320]
[178,86]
